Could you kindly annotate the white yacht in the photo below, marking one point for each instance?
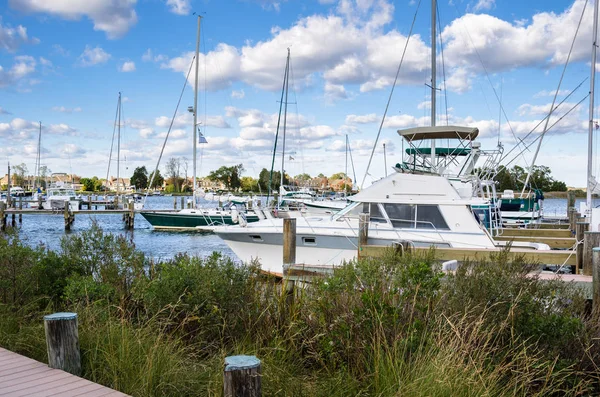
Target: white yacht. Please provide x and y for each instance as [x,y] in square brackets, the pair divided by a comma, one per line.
[422,210]
[57,194]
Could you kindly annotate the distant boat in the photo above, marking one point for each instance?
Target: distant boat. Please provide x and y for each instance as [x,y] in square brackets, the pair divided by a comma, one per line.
[58,193]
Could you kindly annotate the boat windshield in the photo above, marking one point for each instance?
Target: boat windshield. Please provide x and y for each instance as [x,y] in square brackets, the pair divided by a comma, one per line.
[61,192]
[351,210]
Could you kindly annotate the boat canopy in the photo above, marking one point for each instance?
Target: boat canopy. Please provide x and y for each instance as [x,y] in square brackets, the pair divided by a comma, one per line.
[439,132]
[439,151]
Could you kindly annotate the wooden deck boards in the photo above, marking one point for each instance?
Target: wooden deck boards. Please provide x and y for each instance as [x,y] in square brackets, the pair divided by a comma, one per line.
[22,376]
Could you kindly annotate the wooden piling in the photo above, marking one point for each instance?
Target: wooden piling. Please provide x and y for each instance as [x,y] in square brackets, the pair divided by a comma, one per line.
[182,202]
[595,280]
[40,201]
[590,240]
[363,230]
[580,229]
[62,341]
[570,200]
[69,216]
[242,377]
[572,214]
[289,241]
[20,208]
[130,216]
[174,203]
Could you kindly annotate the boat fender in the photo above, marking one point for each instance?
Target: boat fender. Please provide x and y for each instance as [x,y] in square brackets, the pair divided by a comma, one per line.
[234,215]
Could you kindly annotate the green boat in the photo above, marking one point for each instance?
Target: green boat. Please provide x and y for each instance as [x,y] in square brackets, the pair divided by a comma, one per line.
[196,219]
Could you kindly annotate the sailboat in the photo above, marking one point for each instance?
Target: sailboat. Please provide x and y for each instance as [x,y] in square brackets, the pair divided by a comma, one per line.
[197,218]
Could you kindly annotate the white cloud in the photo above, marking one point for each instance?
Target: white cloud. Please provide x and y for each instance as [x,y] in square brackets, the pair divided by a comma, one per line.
[128,66]
[71,150]
[544,93]
[335,91]
[93,56]
[147,57]
[12,38]
[114,17]
[61,129]
[361,119]
[484,5]
[179,7]
[238,94]
[63,109]
[4,111]
[45,62]
[24,66]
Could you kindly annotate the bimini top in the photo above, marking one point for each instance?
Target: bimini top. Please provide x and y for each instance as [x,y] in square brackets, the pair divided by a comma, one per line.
[440,132]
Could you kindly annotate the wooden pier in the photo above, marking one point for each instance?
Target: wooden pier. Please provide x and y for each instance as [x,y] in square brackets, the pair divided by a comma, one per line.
[22,376]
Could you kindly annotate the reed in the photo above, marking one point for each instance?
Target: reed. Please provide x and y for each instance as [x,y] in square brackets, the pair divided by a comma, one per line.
[376,327]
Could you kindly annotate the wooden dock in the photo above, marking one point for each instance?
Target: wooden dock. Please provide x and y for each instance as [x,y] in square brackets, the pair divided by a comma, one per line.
[22,376]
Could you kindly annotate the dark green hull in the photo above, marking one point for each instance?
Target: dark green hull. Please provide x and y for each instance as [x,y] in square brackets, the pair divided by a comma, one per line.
[175,220]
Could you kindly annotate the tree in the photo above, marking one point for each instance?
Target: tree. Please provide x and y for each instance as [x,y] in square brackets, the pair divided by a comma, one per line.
[249,184]
[173,173]
[139,179]
[302,177]
[156,182]
[91,184]
[541,178]
[20,174]
[265,176]
[339,175]
[229,176]
[44,172]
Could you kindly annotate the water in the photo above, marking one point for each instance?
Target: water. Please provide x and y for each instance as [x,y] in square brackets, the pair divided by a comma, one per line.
[49,229]
[558,206]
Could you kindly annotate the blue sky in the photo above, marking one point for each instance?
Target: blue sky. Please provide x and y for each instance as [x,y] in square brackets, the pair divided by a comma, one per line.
[63,62]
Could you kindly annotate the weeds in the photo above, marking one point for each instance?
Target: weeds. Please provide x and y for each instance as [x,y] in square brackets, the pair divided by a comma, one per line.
[376,327]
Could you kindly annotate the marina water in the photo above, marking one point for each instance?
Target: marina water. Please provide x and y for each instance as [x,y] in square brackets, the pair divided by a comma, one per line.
[49,229]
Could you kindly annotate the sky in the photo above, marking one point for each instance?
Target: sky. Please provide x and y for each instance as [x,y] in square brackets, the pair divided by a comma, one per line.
[499,63]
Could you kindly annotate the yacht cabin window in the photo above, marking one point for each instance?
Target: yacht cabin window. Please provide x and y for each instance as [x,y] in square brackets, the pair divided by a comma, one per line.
[413,216]
[375,214]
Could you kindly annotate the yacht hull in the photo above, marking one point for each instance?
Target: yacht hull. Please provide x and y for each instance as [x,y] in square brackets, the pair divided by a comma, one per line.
[190,221]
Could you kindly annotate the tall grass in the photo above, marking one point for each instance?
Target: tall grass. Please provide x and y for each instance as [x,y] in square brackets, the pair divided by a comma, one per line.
[376,327]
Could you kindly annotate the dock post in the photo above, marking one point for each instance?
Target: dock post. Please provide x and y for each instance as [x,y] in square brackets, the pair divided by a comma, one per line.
[21,209]
[130,216]
[289,241]
[39,201]
[242,377]
[62,341]
[363,231]
[174,203]
[89,202]
[580,228]
[570,200]
[14,221]
[182,202]
[595,280]
[69,216]
[289,255]
[116,202]
[2,216]
[572,219]
[590,240]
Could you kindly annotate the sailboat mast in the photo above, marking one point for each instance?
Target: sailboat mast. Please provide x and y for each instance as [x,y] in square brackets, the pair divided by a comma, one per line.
[287,82]
[433,76]
[118,143]
[38,159]
[196,105]
[346,169]
[588,200]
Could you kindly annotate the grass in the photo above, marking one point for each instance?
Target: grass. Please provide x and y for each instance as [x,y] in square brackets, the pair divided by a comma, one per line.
[377,327]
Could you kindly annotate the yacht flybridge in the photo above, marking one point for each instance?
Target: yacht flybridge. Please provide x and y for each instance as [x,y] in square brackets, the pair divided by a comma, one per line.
[422,210]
